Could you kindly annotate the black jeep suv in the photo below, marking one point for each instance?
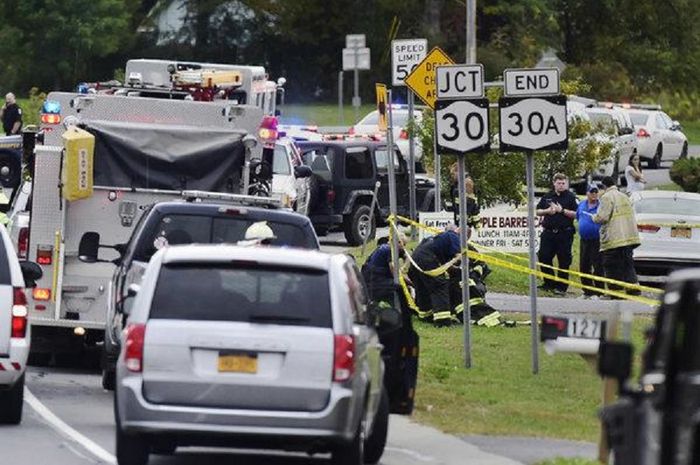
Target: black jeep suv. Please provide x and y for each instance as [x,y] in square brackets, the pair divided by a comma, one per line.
[343,182]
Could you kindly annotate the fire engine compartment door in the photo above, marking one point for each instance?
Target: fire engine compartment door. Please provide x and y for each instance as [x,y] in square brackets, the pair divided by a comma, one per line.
[155,156]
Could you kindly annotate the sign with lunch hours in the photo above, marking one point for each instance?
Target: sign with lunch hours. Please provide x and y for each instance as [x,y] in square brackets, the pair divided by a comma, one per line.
[500,229]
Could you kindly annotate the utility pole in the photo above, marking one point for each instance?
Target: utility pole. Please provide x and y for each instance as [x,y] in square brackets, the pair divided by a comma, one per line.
[471,32]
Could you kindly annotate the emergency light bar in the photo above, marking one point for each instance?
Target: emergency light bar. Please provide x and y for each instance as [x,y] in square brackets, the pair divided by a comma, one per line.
[198,196]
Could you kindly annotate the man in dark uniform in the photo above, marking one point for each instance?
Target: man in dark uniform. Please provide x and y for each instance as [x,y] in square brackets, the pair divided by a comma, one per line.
[433,292]
[11,115]
[558,209]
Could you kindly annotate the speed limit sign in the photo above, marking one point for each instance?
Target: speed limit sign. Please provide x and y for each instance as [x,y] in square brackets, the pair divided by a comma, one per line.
[462,125]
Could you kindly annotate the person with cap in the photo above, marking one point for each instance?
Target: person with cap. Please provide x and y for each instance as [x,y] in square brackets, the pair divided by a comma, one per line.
[618,234]
[590,259]
[11,115]
[558,209]
[433,290]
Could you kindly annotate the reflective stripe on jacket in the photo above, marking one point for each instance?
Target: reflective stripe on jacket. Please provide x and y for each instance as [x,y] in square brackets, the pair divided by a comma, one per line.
[616,215]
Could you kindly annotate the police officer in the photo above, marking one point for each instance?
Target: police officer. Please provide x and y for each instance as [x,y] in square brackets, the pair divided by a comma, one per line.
[558,209]
[433,292]
[11,115]
[378,270]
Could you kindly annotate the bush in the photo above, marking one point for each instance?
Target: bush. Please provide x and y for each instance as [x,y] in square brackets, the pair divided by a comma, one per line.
[686,173]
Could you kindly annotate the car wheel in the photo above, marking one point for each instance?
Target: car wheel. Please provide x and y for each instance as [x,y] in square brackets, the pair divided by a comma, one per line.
[684,151]
[11,402]
[360,224]
[376,441]
[352,453]
[655,162]
[132,449]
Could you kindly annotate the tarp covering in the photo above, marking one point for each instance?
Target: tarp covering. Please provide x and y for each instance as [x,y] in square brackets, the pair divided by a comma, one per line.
[156,156]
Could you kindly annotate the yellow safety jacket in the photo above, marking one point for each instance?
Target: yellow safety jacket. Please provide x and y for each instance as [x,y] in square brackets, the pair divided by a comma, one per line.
[618,223]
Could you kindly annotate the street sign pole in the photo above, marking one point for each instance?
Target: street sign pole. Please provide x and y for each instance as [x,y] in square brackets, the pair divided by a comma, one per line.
[436,167]
[392,195]
[412,165]
[341,116]
[530,174]
[463,228]
[356,91]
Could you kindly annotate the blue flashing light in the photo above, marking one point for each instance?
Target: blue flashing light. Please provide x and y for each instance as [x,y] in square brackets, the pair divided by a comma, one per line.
[82,88]
[51,107]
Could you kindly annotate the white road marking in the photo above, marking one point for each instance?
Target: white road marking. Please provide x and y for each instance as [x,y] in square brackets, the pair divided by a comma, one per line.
[64,429]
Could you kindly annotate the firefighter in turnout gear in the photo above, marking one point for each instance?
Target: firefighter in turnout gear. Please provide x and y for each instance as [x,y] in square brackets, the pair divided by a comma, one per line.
[481,312]
[433,292]
[473,209]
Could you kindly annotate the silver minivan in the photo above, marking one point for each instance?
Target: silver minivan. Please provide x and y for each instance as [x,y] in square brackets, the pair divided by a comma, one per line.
[254,347]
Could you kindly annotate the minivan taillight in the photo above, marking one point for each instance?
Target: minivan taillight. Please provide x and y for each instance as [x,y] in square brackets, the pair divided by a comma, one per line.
[19,313]
[133,348]
[23,243]
[344,358]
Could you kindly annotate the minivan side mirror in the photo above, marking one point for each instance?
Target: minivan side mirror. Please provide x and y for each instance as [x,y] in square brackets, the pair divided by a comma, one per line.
[676,126]
[615,360]
[31,273]
[302,171]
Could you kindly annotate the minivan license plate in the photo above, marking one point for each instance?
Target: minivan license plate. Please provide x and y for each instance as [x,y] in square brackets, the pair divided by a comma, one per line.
[238,362]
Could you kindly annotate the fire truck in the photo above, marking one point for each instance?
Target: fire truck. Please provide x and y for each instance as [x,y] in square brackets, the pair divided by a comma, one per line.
[104,158]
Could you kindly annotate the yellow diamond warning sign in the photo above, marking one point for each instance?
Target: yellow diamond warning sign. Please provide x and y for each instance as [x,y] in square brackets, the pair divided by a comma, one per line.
[422,79]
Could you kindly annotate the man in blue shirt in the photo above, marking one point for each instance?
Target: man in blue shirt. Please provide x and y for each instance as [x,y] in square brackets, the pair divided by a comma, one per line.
[591,260]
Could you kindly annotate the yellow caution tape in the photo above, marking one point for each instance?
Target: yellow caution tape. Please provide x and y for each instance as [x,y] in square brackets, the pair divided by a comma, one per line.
[527,270]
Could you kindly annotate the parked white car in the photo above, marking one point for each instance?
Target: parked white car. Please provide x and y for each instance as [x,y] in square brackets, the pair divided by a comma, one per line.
[659,138]
[288,181]
[15,331]
[669,233]
[617,128]
[369,126]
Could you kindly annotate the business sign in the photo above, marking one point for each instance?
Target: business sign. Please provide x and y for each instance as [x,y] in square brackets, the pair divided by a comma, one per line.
[533,123]
[422,79]
[438,220]
[506,231]
[530,81]
[405,56]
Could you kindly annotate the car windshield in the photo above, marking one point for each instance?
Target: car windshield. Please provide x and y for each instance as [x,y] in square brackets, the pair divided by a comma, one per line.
[639,119]
[668,206]
[243,293]
[200,229]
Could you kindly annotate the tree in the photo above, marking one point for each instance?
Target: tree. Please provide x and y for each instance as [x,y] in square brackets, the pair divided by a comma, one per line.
[52,43]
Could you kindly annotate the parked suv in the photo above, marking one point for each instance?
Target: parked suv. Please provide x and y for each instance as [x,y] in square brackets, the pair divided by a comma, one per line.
[261,347]
[617,128]
[342,186]
[170,223]
[14,328]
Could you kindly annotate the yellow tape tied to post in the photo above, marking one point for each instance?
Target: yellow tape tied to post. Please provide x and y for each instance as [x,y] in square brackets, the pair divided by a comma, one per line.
[78,163]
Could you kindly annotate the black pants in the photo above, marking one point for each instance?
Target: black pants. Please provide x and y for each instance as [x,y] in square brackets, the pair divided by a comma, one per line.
[591,262]
[619,265]
[556,244]
[432,293]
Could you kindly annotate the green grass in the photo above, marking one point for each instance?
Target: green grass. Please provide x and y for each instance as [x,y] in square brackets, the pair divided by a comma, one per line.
[672,186]
[322,114]
[692,131]
[567,461]
[499,395]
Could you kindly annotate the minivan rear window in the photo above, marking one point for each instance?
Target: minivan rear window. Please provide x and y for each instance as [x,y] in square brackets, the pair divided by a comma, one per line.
[243,293]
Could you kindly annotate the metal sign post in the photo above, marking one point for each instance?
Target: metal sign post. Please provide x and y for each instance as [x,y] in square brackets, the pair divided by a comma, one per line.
[462,126]
[532,117]
[392,194]
[411,167]
[356,57]
[534,337]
